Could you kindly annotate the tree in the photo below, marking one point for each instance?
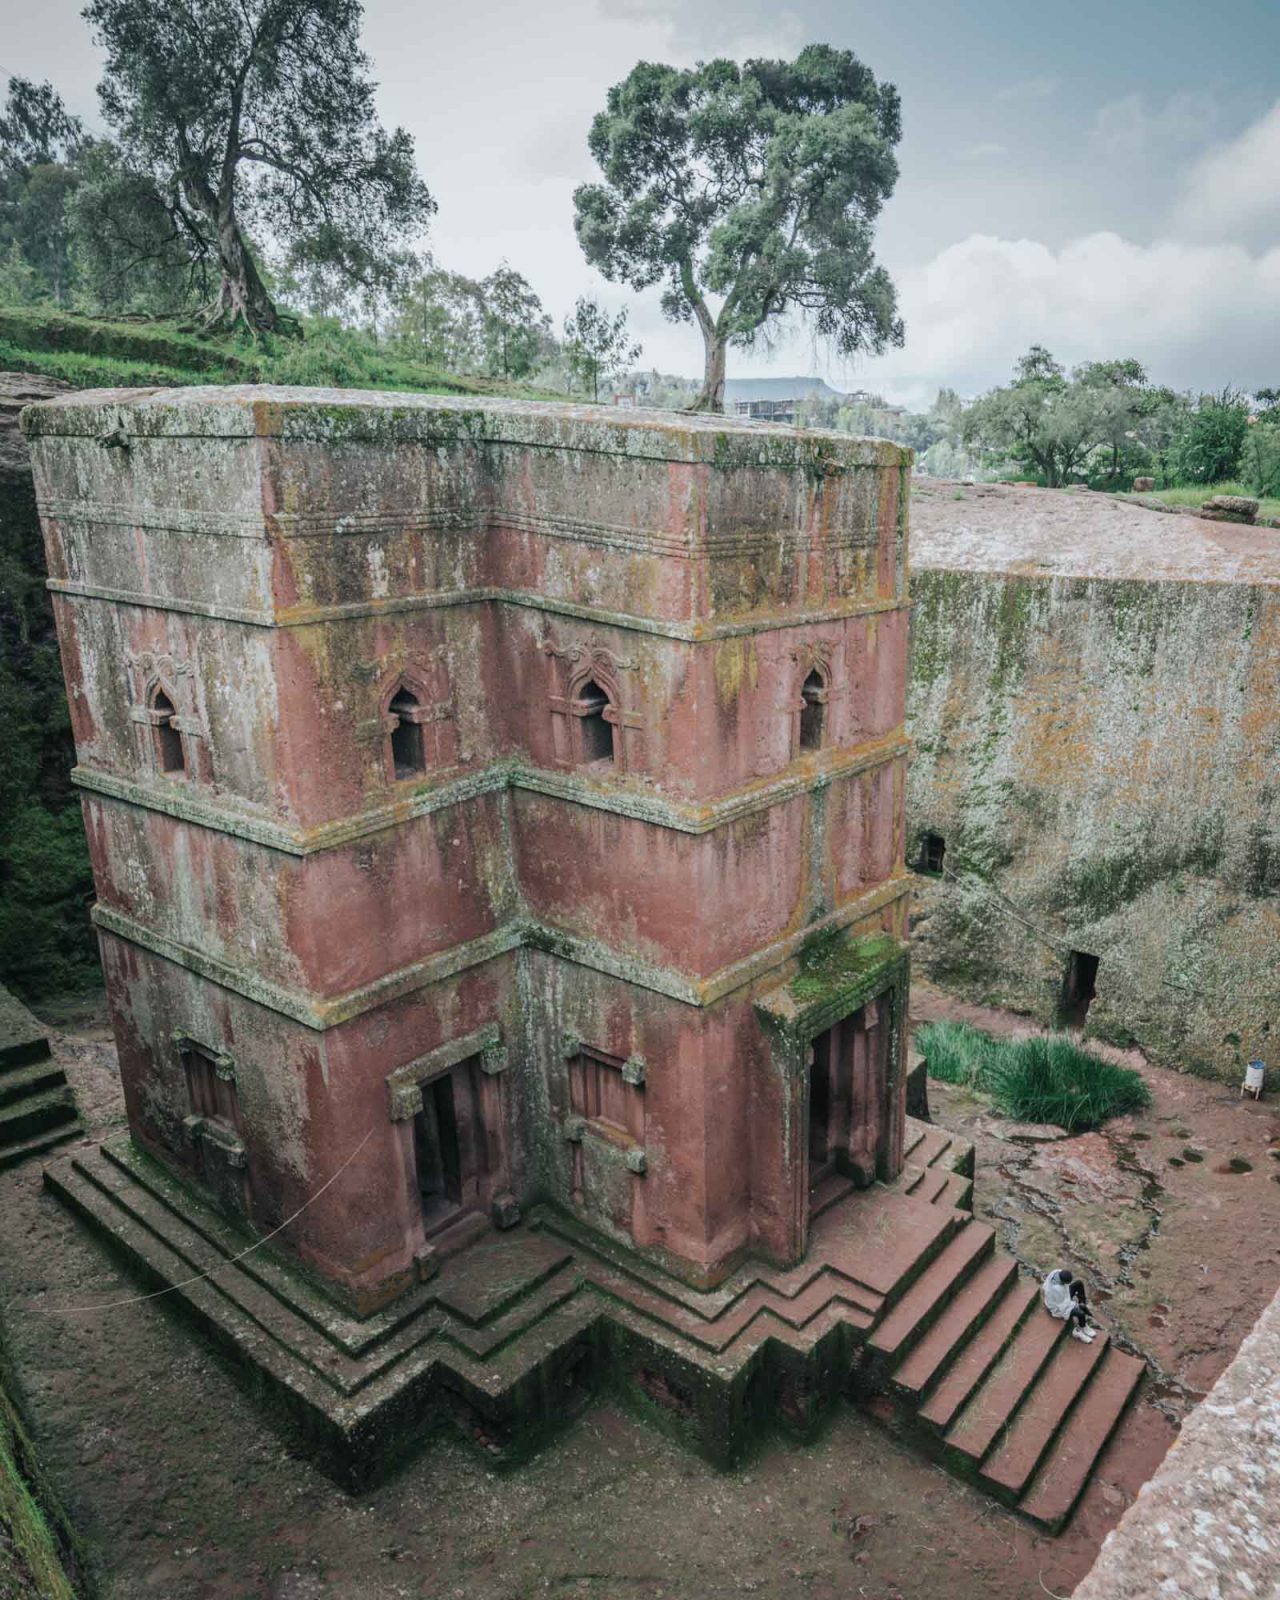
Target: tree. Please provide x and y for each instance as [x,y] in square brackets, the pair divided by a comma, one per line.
[133,248]
[463,324]
[596,344]
[514,323]
[1210,447]
[40,142]
[258,114]
[1037,421]
[440,319]
[1123,399]
[1056,425]
[757,185]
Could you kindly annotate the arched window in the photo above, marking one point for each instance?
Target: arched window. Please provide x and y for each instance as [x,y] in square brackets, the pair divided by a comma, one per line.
[813,710]
[597,730]
[407,756]
[170,754]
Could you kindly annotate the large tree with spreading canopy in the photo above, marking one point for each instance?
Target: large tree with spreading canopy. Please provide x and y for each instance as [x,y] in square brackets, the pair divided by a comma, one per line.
[255,118]
[750,192]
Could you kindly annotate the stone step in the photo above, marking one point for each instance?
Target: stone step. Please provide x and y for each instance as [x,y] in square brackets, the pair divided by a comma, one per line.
[958,1193]
[354,1335]
[1010,1466]
[967,1312]
[927,1183]
[932,1147]
[199,1257]
[36,1113]
[297,1384]
[931,1293]
[995,1403]
[831,1189]
[973,1363]
[34,1078]
[1056,1488]
[13,1155]
[914,1133]
[22,1038]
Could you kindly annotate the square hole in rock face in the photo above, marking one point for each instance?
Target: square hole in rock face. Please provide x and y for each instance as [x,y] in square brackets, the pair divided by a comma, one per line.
[597,731]
[1079,986]
[933,852]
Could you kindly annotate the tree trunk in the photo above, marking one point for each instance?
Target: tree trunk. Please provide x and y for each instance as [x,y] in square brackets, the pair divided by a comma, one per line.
[242,295]
[712,396]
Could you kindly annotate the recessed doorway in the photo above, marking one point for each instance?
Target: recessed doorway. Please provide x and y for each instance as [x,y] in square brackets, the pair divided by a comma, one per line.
[450,1146]
[1079,986]
[849,1110]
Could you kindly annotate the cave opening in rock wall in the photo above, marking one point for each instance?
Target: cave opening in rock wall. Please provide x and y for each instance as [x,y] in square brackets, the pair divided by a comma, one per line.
[1079,986]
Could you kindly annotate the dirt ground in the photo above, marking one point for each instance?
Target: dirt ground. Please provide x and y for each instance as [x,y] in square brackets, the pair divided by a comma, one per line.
[182,1491]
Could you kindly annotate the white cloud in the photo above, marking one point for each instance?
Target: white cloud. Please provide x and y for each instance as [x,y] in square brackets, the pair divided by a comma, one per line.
[1236,188]
[981,152]
[1131,129]
[1192,313]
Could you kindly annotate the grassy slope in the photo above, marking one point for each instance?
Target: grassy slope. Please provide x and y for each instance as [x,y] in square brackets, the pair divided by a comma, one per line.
[95,353]
[1196,494]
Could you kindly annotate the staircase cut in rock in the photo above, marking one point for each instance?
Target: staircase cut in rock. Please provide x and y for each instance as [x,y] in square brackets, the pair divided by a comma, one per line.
[37,1112]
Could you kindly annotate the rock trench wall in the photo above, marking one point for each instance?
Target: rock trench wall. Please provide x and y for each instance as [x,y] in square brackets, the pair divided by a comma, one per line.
[1206,1524]
[1100,758]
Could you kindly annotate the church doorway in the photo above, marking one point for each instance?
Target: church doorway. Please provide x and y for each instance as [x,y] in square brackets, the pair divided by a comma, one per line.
[450,1146]
[849,1109]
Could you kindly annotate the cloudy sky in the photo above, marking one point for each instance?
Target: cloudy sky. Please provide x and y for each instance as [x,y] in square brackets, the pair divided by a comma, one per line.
[1102,178]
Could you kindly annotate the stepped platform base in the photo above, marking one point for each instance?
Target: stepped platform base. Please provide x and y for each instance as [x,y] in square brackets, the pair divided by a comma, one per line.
[902,1303]
[37,1112]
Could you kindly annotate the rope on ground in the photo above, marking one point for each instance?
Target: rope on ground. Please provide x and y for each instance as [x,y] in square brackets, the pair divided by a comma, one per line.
[158,1294]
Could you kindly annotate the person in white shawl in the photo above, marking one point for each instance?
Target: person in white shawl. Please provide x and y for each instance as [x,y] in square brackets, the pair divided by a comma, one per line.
[1064,1298]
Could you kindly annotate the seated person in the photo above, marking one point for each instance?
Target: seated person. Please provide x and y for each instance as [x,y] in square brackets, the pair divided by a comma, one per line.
[1064,1297]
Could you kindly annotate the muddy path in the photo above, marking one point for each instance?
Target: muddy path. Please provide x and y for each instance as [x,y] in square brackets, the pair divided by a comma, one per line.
[183,1491]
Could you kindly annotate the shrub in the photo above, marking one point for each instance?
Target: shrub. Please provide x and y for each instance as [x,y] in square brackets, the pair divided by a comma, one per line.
[1051,1079]
[1212,442]
[1047,1078]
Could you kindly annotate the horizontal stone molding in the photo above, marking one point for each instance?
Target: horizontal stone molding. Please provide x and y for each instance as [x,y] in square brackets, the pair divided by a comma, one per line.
[187,805]
[321,1013]
[687,632]
[686,546]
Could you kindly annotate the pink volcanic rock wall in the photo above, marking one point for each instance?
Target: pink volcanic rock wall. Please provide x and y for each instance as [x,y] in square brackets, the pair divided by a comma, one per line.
[684,918]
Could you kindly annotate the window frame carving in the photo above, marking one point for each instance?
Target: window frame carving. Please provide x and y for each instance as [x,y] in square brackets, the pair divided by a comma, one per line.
[433,716]
[815,656]
[586,1068]
[154,674]
[570,669]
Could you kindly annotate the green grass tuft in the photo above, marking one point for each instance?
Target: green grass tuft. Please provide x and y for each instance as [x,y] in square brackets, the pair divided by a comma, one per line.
[1047,1078]
[1195,494]
[955,1052]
